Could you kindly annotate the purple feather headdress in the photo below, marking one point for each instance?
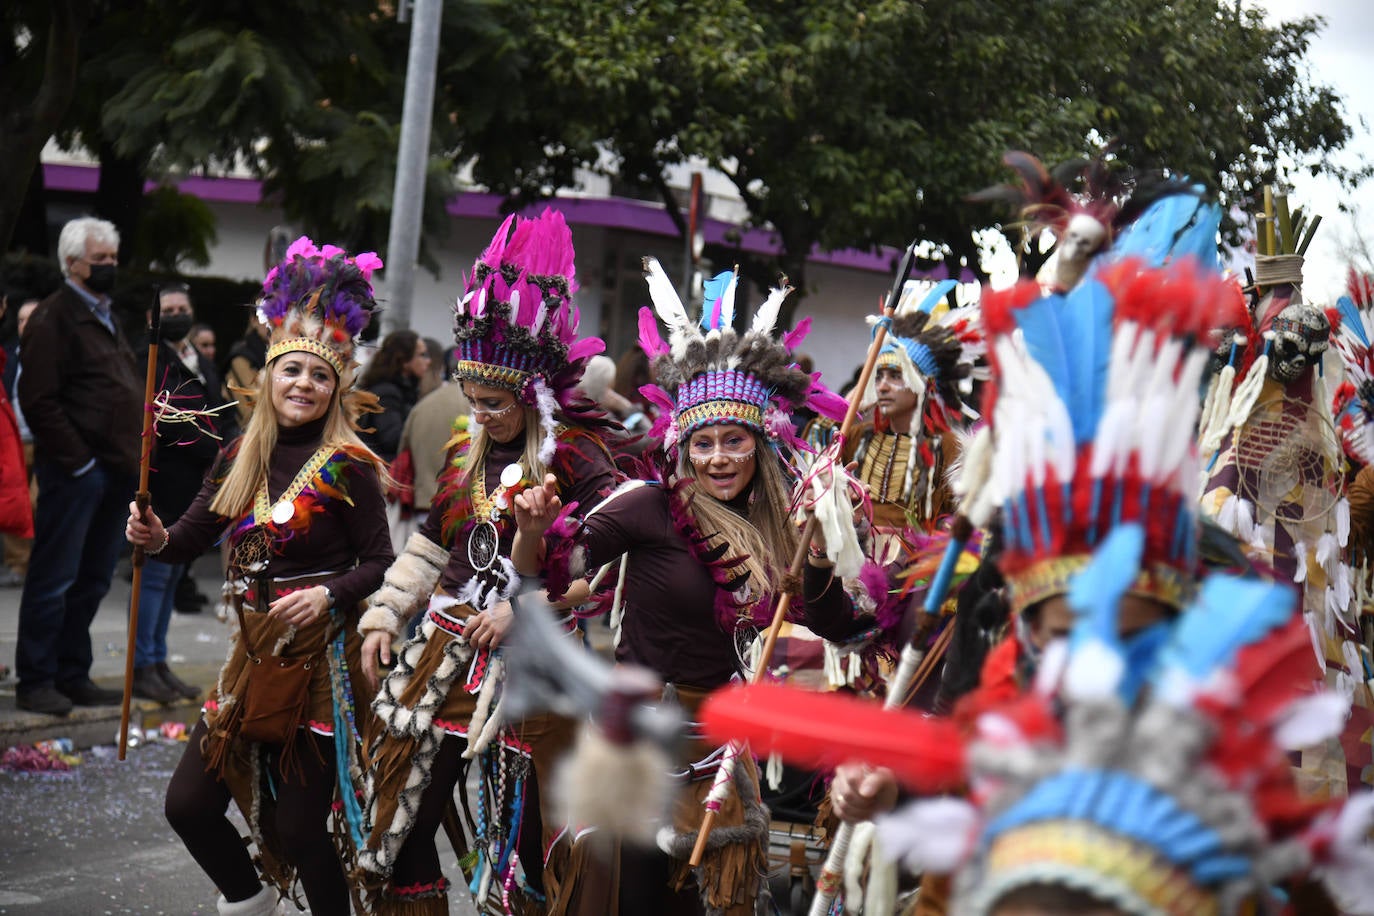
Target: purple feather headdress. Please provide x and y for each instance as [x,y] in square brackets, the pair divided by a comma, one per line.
[515,324]
[711,375]
[318,300]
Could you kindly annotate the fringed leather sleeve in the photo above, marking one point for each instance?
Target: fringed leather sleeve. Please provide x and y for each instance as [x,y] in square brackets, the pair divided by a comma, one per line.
[407,585]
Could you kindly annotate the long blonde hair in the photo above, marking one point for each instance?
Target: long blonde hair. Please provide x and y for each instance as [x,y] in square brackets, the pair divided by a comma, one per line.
[253,461]
[482,441]
[766,536]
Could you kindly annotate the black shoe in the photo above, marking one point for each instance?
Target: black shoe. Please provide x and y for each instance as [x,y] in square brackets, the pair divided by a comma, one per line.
[88,693]
[149,686]
[47,700]
[188,691]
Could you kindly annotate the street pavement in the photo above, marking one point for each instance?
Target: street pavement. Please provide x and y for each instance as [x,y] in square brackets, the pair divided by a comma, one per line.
[196,646]
[93,840]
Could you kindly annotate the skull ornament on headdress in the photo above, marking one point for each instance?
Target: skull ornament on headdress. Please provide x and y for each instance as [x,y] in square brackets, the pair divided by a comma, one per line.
[1300,334]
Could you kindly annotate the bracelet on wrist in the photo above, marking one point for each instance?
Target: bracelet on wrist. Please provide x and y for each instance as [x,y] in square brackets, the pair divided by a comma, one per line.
[166,539]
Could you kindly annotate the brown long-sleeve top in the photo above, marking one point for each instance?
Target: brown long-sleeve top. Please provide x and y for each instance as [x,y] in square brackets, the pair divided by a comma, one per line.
[347,531]
[670,596]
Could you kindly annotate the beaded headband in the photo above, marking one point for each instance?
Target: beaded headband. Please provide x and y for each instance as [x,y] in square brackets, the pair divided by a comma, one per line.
[307,345]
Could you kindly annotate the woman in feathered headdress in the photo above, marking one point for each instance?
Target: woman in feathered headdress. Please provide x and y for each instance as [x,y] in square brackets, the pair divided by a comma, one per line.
[520,360]
[705,552]
[299,499]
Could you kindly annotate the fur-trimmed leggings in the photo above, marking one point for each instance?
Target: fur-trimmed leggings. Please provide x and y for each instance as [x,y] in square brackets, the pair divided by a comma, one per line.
[196,804]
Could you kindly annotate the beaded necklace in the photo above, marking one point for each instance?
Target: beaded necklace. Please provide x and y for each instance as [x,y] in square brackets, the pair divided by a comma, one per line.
[252,551]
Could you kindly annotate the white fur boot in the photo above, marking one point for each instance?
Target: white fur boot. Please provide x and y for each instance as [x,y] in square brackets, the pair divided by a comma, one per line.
[263,903]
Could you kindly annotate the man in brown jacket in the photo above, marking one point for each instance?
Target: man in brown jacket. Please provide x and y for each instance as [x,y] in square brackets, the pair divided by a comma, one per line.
[82,394]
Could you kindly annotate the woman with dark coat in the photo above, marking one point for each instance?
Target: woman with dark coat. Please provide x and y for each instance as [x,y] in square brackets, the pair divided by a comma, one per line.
[394,377]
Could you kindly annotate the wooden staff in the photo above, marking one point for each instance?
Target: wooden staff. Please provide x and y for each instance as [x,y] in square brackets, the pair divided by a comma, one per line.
[794,569]
[142,498]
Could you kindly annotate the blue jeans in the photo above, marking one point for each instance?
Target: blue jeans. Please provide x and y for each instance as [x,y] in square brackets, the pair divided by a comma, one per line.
[78,532]
[156,597]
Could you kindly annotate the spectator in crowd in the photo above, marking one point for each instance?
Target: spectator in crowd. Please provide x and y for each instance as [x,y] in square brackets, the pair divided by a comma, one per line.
[435,374]
[16,547]
[426,436]
[393,375]
[246,358]
[81,390]
[632,373]
[598,383]
[203,339]
[182,453]
[16,509]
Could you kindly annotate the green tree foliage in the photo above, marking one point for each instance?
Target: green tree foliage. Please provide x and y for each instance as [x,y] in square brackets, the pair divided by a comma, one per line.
[845,123]
[38,67]
[176,229]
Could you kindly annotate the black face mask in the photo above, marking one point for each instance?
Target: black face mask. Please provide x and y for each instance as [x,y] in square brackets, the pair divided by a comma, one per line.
[102,278]
[174,328]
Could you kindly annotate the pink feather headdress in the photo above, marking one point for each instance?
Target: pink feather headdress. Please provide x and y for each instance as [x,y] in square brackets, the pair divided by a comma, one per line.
[318,300]
[515,324]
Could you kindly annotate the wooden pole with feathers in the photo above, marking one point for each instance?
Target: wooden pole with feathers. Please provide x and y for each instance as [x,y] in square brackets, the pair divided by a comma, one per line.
[142,498]
[794,569]
[913,655]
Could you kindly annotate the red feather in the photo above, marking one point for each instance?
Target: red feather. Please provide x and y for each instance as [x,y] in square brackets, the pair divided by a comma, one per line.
[820,730]
[1276,670]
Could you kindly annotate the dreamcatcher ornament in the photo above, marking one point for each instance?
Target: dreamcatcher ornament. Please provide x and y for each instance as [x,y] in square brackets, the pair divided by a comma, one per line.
[1289,456]
[484,541]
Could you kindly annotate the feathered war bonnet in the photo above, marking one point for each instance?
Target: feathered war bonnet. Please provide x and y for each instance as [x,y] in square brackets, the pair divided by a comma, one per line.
[318,300]
[1352,333]
[1093,405]
[934,350]
[516,325]
[707,374]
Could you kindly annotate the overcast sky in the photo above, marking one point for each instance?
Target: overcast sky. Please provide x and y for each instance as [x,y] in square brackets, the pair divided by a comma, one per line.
[1340,57]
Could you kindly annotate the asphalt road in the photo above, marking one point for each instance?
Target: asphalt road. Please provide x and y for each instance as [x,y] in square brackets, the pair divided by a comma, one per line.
[92,842]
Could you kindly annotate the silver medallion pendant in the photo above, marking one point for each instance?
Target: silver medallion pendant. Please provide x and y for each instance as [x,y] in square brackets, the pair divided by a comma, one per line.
[283,512]
[483,543]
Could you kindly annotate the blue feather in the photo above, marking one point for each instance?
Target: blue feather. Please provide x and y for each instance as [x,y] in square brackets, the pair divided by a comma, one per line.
[1170,229]
[1086,314]
[1228,614]
[1096,591]
[1351,319]
[937,292]
[712,290]
[1040,326]
[1123,804]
